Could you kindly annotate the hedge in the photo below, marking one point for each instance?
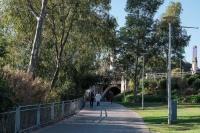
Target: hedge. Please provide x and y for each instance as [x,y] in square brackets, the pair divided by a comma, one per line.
[158,98]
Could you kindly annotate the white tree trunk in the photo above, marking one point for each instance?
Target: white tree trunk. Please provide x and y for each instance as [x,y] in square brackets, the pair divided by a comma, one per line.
[37,40]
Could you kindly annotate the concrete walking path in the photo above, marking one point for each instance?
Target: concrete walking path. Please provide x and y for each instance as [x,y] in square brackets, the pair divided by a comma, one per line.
[109,118]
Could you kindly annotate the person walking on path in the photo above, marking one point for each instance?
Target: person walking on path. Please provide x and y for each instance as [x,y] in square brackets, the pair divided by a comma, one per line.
[108,119]
[91,98]
[98,98]
[111,96]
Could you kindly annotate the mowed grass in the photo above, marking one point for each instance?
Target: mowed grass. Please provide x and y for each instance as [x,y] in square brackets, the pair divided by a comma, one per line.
[155,116]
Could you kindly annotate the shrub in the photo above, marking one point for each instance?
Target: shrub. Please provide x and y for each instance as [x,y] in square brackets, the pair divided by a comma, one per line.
[186,76]
[129,98]
[162,86]
[152,84]
[197,75]
[156,98]
[176,70]
[146,83]
[27,90]
[196,84]
[174,83]
[130,85]
[191,79]
[189,99]
[118,98]
[182,84]
[5,94]
[153,87]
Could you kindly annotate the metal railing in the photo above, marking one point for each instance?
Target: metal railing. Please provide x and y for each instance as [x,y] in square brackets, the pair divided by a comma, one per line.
[27,117]
[164,75]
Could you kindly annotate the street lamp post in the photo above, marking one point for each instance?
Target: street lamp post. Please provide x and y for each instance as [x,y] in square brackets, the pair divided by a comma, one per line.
[143,79]
[123,80]
[169,19]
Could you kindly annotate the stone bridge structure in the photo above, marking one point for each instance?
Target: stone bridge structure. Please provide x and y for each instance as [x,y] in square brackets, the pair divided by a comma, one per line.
[120,86]
[115,87]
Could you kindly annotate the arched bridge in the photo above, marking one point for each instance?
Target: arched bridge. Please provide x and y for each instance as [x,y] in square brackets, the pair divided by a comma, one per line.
[115,87]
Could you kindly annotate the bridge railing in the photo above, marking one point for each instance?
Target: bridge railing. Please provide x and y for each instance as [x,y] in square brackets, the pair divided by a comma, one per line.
[162,75]
[23,118]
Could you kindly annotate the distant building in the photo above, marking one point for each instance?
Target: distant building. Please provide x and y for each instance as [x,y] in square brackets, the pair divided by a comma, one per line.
[194,68]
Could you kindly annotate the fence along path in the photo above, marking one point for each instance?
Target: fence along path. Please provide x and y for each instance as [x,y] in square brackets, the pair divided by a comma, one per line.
[24,118]
[109,118]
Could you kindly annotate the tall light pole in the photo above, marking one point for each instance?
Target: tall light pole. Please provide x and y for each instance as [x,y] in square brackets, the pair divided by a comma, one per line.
[169,19]
[143,79]
[123,81]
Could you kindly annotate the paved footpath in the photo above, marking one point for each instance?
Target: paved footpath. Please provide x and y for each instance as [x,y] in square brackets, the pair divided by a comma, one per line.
[109,118]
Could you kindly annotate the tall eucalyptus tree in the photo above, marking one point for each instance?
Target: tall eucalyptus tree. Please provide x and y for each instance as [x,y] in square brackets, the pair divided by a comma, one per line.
[74,28]
[160,39]
[18,19]
[74,24]
[40,17]
[138,24]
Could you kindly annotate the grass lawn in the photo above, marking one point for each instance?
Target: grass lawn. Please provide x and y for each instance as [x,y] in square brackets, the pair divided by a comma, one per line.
[155,116]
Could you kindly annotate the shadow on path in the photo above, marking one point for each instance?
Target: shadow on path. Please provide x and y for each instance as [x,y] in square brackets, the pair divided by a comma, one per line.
[109,118]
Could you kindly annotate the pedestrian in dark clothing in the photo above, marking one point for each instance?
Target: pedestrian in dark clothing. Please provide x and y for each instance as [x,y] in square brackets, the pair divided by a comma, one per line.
[111,96]
[91,98]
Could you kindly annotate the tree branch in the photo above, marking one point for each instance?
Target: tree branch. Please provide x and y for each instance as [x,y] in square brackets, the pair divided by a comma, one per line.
[32,9]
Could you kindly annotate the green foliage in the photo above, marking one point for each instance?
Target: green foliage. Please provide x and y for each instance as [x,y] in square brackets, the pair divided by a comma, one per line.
[189,99]
[191,79]
[66,40]
[163,84]
[156,98]
[153,87]
[3,46]
[128,97]
[5,93]
[186,76]
[159,52]
[152,84]
[130,84]
[188,95]
[174,9]
[3,51]
[174,83]
[146,83]
[182,84]
[147,98]
[119,98]
[175,70]
[196,75]
[196,84]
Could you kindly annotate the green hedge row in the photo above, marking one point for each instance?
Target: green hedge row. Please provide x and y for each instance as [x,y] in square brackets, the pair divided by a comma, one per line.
[157,98]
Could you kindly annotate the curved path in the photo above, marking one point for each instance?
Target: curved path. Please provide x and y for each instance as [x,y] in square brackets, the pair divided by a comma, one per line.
[109,118]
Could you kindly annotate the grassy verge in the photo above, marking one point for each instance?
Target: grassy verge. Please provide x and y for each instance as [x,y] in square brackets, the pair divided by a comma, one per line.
[155,116]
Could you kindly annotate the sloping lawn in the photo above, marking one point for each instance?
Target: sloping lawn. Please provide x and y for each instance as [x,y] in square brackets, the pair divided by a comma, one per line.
[155,116]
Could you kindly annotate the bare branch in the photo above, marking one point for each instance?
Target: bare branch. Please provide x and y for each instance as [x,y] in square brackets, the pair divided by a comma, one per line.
[32,9]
